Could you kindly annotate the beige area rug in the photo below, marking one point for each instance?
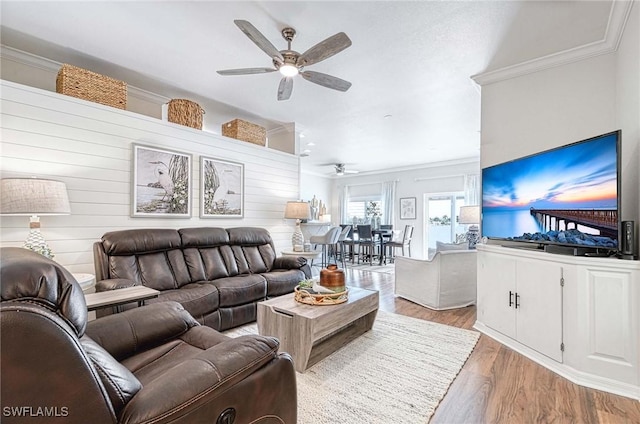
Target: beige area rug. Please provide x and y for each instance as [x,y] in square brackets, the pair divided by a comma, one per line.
[396,373]
[386,269]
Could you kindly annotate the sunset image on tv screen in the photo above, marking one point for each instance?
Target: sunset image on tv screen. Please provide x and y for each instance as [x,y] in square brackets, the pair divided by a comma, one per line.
[578,179]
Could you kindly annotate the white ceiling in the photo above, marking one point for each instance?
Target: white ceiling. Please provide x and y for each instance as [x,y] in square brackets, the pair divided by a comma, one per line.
[409,59]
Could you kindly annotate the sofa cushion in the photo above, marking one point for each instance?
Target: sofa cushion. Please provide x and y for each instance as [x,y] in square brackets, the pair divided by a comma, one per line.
[203,237]
[148,364]
[199,299]
[139,241]
[210,263]
[253,249]
[241,289]
[281,282]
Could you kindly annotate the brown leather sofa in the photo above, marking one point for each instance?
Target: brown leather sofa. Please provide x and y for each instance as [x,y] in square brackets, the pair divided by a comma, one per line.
[153,364]
[217,274]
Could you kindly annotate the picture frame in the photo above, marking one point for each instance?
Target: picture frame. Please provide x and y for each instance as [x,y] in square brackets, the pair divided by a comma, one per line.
[408,208]
[161,183]
[221,188]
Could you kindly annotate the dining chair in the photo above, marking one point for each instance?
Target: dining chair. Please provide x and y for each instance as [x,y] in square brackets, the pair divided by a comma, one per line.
[366,243]
[386,235]
[341,248]
[404,243]
[350,242]
[328,241]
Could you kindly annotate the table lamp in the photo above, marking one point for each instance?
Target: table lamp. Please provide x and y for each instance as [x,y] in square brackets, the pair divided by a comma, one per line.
[470,215]
[297,210]
[34,197]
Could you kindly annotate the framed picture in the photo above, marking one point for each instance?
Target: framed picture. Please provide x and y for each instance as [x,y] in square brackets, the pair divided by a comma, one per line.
[408,208]
[221,188]
[161,186]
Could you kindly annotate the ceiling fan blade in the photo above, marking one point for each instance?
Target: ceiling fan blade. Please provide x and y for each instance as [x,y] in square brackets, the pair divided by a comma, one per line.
[285,88]
[245,71]
[325,49]
[259,39]
[326,80]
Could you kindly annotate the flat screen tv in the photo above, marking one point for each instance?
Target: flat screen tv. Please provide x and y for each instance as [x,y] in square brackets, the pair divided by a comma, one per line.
[568,196]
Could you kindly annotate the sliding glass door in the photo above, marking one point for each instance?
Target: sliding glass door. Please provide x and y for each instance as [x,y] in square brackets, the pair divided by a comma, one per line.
[442,211]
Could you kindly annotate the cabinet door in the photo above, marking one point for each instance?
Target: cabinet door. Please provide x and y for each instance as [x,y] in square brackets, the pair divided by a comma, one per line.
[496,278]
[539,311]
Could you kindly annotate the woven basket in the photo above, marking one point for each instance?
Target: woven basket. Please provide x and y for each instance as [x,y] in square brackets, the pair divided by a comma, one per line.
[87,85]
[185,112]
[309,297]
[245,131]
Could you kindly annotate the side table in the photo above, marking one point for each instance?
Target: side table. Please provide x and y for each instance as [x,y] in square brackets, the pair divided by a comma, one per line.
[87,281]
[119,297]
[310,256]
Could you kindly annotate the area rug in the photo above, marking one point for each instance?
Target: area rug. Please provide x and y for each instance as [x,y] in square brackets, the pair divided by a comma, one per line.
[396,373]
[386,269]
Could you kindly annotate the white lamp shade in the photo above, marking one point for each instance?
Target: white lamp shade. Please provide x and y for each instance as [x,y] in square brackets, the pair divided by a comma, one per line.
[33,196]
[297,210]
[469,215]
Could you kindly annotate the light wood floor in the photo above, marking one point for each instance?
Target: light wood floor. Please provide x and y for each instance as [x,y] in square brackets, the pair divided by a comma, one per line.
[498,385]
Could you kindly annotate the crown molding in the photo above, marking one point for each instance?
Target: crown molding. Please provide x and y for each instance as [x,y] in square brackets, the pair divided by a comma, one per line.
[48,65]
[620,11]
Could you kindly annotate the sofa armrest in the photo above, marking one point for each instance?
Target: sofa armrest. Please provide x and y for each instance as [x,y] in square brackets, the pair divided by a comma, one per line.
[126,333]
[289,262]
[188,389]
[114,284]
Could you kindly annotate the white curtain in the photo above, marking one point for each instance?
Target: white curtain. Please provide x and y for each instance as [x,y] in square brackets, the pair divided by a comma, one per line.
[344,205]
[389,199]
[471,189]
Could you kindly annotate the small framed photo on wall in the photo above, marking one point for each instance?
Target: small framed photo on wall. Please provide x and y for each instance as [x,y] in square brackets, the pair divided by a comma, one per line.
[161,183]
[408,208]
[221,188]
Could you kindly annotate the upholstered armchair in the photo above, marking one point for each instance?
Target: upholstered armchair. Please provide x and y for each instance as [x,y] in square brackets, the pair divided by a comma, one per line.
[447,280]
[153,364]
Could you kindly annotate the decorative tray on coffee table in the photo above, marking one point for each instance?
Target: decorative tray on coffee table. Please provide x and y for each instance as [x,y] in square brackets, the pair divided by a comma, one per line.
[308,296]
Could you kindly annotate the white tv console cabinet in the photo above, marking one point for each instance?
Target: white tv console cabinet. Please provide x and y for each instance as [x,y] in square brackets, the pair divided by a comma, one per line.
[577,316]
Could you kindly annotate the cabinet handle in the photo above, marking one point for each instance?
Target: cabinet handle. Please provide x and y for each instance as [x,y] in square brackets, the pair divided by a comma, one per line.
[510,298]
[517,298]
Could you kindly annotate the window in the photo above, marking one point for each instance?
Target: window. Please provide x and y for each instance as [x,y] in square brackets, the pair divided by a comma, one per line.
[361,211]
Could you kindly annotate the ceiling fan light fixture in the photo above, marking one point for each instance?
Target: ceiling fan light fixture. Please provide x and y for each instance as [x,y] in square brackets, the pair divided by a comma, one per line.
[288,70]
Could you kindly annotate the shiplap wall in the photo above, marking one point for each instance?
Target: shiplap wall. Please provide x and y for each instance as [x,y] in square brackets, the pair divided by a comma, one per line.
[88,146]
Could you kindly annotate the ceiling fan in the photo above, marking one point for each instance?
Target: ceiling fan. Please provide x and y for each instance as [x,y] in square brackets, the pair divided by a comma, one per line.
[291,63]
[341,170]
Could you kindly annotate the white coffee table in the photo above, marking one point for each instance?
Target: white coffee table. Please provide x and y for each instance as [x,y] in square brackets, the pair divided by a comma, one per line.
[310,333]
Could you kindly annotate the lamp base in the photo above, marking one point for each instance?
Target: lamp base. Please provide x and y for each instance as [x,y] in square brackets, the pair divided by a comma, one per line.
[297,239]
[36,242]
[473,236]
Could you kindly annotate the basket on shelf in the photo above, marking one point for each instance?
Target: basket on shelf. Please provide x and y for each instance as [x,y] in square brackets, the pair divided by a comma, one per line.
[185,112]
[245,131]
[87,85]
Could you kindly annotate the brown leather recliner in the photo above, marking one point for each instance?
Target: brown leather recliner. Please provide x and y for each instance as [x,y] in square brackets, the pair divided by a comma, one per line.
[153,364]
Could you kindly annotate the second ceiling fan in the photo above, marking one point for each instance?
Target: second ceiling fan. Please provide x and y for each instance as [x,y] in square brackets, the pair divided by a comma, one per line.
[291,63]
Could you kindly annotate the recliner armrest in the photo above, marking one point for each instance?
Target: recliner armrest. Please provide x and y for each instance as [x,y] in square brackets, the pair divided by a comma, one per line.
[114,284]
[289,262]
[198,381]
[126,333]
